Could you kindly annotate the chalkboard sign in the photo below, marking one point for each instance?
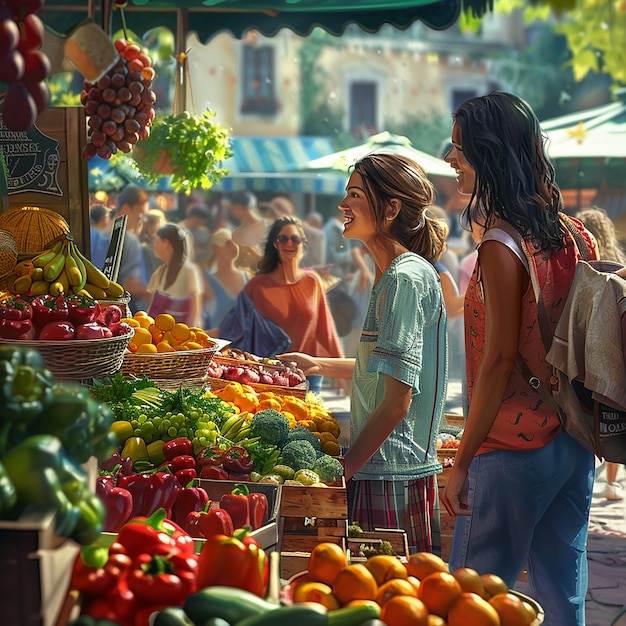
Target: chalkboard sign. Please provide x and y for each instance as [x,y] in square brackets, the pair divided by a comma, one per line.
[114,253]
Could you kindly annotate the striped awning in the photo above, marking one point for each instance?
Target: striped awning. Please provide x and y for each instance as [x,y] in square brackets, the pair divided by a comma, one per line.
[272,164]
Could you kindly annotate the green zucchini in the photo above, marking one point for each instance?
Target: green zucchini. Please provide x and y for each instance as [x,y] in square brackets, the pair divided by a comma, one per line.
[308,613]
[353,615]
[228,603]
[172,616]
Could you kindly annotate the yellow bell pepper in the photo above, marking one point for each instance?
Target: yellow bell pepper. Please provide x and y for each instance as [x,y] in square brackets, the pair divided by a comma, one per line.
[136,449]
[122,430]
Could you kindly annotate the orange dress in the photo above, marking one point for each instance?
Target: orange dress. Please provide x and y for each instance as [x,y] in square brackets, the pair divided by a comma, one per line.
[300,309]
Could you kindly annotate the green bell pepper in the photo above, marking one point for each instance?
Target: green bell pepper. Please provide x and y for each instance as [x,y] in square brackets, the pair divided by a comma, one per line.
[8,495]
[80,422]
[43,474]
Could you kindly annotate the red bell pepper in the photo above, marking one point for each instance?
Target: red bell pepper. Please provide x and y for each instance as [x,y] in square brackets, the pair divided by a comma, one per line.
[82,310]
[61,330]
[237,477]
[182,461]
[209,522]
[237,459]
[15,308]
[155,535]
[177,447]
[185,476]
[259,509]
[49,308]
[213,472]
[236,503]
[93,330]
[117,501]
[189,499]
[232,562]
[118,605]
[155,578]
[17,329]
[102,578]
[211,455]
[151,491]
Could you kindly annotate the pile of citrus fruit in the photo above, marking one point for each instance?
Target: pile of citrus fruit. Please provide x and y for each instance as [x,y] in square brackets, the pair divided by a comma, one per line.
[421,592]
[163,334]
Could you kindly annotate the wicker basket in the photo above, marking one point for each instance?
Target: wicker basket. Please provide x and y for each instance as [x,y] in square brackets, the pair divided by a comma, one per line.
[79,359]
[171,369]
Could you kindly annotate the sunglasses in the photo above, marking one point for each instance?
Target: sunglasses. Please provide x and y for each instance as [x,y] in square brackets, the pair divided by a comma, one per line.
[282,239]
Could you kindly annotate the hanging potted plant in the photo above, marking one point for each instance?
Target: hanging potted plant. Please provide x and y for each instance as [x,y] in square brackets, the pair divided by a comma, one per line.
[190,148]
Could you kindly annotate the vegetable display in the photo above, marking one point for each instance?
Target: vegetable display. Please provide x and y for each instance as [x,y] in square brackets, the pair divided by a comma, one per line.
[46,431]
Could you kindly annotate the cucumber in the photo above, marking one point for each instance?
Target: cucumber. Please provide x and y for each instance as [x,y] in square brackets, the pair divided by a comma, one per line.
[308,613]
[353,615]
[171,616]
[228,603]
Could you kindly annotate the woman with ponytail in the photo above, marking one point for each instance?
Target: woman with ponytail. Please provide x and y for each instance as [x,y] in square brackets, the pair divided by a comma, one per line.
[400,371]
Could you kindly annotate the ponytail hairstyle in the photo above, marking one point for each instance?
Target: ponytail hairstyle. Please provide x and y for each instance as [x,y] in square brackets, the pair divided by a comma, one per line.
[177,236]
[515,180]
[388,177]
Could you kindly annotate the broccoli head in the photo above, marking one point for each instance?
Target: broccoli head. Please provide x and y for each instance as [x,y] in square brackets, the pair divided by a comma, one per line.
[300,432]
[299,454]
[328,468]
[271,426]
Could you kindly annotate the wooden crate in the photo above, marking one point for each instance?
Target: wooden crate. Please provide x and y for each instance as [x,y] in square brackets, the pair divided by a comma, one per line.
[308,516]
[35,569]
[396,537]
[51,176]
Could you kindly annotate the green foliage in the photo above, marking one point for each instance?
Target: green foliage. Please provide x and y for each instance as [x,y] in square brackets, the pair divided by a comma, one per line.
[426,133]
[195,144]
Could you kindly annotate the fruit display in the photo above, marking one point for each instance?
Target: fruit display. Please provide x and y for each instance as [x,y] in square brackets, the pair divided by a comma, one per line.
[59,270]
[421,591]
[22,63]
[120,104]
[162,333]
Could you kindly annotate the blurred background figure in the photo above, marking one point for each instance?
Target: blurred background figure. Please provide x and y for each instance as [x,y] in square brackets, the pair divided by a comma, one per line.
[176,286]
[150,224]
[133,202]
[251,229]
[99,226]
[223,280]
[602,228]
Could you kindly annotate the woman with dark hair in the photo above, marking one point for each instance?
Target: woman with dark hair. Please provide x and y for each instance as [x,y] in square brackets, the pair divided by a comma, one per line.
[292,297]
[400,372]
[176,286]
[520,487]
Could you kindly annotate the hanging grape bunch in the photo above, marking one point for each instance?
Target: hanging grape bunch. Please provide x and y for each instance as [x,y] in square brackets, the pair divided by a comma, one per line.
[22,64]
[120,104]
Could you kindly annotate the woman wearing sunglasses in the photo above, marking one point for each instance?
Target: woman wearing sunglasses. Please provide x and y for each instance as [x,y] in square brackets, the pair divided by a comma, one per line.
[399,375]
[292,297]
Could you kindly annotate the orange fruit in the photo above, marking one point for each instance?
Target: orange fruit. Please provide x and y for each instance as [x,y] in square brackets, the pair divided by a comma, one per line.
[131,321]
[512,610]
[163,346]
[156,332]
[438,592]
[316,592]
[395,587]
[147,348]
[493,585]
[203,338]
[415,582]
[141,336]
[191,345]
[404,611]
[385,567]
[180,332]
[421,564]
[469,609]
[326,561]
[144,320]
[435,620]
[470,580]
[355,582]
[164,321]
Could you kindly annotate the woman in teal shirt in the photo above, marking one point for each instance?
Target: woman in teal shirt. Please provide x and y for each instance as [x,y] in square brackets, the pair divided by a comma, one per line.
[399,375]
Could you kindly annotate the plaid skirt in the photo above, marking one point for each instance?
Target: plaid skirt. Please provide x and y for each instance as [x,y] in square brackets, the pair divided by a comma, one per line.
[412,506]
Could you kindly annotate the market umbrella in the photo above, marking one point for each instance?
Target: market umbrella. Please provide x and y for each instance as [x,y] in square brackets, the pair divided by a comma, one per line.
[385,142]
[588,148]
[208,17]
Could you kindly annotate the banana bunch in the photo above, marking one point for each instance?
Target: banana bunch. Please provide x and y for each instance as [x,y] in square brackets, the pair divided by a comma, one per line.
[62,270]
[236,428]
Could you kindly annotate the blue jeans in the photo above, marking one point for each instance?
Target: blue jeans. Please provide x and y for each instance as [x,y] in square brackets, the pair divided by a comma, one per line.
[315,384]
[531,508]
